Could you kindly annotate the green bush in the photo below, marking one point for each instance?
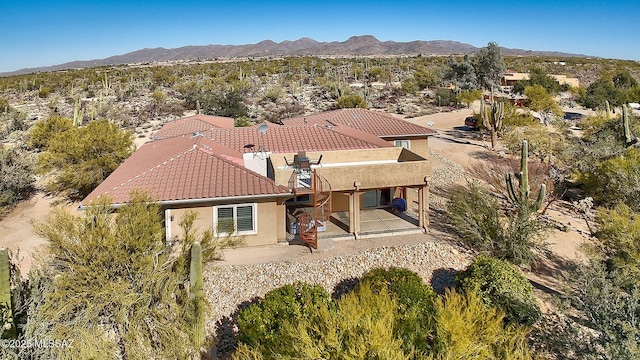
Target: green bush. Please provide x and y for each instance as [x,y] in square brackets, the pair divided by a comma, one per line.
[468,329]
[360,327]
[43,131]
[81,158]
[351,101]
[619,235]
[416,301]
[261,324]
[500,284]
[615,180]
[17,177]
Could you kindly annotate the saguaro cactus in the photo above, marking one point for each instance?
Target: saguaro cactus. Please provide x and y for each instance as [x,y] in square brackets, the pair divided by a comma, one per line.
[78,114]
[492,119]
[523,179]
[629,140]
[8,326]
[196,295]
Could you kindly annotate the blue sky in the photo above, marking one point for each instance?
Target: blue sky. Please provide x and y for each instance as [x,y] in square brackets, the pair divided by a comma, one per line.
[40,33]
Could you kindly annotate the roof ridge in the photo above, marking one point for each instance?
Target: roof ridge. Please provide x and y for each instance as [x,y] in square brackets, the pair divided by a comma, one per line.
[150,169]
[338,127]
[236,165]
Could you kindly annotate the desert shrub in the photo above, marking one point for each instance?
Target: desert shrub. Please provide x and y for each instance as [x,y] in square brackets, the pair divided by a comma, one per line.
[17,176]
[467,97]
[500,284]
[599,92]
[358,328]
[601,323]
[4,105]
[615,180]
[262,323]
[469,329]
[43,131]
[544,145]
[414,321]
[603,140]
[117,288]
[445,97]
[273,94]
[351,101]
[81,158]
[515,234]
[619,235]
[476,216]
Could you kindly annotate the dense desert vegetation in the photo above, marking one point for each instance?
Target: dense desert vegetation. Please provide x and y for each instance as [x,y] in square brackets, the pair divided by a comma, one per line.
[116,286]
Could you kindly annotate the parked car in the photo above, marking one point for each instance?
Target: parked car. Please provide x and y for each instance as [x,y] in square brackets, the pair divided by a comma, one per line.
[471,123]
[573,116]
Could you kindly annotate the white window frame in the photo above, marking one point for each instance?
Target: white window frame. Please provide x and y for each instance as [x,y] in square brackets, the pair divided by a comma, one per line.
[254,218]
[401,143]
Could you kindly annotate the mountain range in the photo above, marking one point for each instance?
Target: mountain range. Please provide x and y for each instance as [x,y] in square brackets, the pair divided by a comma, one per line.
[365,45]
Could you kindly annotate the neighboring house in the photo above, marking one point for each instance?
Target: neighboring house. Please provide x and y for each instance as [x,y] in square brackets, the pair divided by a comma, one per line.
[511,77]
[271,182]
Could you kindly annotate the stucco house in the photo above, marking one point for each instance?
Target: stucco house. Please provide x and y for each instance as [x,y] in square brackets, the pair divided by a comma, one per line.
[272,183]
[510,77]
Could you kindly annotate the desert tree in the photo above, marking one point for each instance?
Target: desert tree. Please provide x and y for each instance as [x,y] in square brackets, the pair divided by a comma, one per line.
[599,93]
[489,66]
[542,101]
[79,159]
[461,74]
[468,96]
[118,289]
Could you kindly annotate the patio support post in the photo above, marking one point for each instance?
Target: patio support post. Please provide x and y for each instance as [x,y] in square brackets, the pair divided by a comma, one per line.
[423,207]
[354,213]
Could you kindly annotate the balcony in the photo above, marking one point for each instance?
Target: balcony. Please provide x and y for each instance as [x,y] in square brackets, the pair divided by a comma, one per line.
[368,169]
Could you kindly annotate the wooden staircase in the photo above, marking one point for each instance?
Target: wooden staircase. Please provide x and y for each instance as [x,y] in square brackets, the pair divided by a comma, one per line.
[320,189]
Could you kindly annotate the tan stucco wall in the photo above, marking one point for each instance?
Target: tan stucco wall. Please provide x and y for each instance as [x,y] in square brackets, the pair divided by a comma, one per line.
[339,201]
[203,223]
[419,146]
[562,79]
[270,222]
[412,169]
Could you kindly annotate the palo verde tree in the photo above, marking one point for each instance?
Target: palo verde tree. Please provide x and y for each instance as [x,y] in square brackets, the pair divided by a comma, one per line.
[541,101]
[118,288]
[79,159]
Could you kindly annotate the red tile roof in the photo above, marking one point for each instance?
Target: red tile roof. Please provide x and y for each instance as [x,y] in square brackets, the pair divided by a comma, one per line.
[193,124]
[373,122]
[184,168]
[288,139]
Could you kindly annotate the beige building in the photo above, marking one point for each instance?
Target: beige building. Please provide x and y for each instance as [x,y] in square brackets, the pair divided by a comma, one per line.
[511,77]
[275,183]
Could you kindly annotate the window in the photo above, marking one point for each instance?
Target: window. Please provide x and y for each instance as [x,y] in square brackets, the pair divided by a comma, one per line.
[376,198]
[402,143]
[239,219]
[300,199]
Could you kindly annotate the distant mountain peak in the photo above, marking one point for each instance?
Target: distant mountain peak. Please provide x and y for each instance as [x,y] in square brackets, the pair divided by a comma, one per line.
[355,45]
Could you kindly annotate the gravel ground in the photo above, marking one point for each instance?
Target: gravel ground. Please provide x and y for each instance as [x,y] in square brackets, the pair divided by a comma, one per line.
[231,287]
